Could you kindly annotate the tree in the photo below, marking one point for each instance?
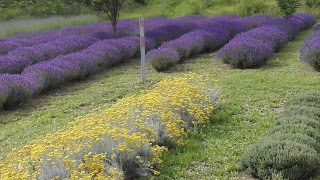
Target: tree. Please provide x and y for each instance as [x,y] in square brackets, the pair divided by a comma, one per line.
[288,7]
[111,8]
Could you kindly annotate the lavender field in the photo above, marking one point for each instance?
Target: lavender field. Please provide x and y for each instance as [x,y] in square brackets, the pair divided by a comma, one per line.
[253,59]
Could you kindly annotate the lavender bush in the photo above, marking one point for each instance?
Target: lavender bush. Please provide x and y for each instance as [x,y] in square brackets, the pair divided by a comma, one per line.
[13,64]
[17,89]
[162,59]
[63,60]
[100,31]
[310,50]
[245,53]
[209,37]
[42,52]
[252,48]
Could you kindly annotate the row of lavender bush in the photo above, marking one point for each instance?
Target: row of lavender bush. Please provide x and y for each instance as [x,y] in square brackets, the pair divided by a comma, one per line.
[310,50]
[253,48]
[15,88]
[204,38]
[15,61]
[99,31]
[22,57]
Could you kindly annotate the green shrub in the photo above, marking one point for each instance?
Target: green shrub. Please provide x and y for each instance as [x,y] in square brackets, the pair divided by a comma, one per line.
[312,3]
[288,7]
[290,159]
[308,99]
[298,119]
[296,137]
[296,128]
[307,111]
[291,149]
[163,58]
[255,7]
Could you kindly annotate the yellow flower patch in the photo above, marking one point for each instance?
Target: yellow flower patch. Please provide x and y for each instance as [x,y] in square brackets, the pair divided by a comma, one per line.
[131,136]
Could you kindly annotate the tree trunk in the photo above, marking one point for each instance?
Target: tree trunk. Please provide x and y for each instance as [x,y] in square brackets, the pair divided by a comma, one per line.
[114,27]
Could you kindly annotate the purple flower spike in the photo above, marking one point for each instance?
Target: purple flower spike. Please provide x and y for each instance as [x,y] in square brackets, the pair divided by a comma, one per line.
[13,64]
[245,53]
[51,74]
[20,90]
[310,50]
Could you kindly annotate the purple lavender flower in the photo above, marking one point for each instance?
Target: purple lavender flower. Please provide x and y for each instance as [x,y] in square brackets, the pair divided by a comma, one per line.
[71,71]
[150,44]
[285,26]
[73,43]
[222,18]
[35,55]
[245,53]
[103,35]
[51,74]
[214,36]
[13,64]
[7,46]
[20,90]
[271,36]
[128,47]
[310,50]
[88,65]
[162,59]
[159,35]
[233,27]
[307,19]
[111,54]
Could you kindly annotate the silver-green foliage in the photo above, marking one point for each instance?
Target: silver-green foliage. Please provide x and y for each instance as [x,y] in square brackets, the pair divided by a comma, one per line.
[292,146]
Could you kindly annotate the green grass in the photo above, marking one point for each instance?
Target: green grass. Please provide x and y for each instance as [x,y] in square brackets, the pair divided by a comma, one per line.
[250,101]
[176,8]
[10,28]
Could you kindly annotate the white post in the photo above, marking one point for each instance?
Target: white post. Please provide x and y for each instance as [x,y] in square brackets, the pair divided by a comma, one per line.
[142,49]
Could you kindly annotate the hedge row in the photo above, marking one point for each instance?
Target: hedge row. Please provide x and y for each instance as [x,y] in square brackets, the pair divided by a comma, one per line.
[99,31]
[203,39]
[125,141]
[291,149]
[252,49]
[310,50]
[18,58]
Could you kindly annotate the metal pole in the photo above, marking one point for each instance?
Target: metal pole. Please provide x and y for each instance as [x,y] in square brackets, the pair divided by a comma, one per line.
[142,50]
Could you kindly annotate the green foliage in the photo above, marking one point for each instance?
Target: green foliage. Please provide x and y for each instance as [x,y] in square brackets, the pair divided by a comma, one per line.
[296,128]
[14,27]
[255,7]
[111,8]
[198,8]
[293,160]
[312,3]
[307,111]
[307,99]
[295,136]
[298,119]
[288,7]
[44,8]
[252,98]
[162,63]
[144,2]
